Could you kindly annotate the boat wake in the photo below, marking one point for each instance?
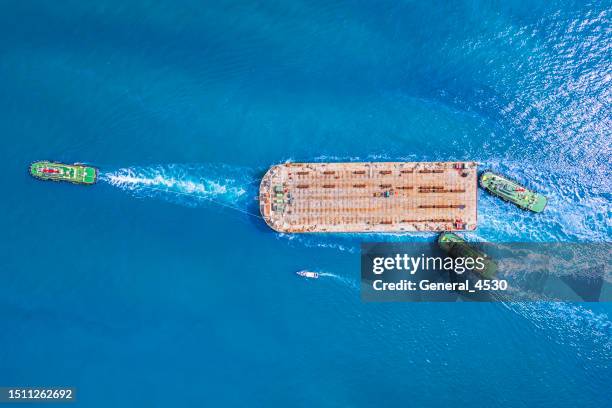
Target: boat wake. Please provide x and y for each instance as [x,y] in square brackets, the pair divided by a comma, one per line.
[576,211]
[190,185]
[567,218]
[573,215]
[349,283]
[588,332]
[320,241]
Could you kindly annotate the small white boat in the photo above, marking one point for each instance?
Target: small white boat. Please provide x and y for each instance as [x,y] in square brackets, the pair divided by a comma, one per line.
[308,274]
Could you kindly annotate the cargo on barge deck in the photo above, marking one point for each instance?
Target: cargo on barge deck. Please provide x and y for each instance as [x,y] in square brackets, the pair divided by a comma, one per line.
[370,197]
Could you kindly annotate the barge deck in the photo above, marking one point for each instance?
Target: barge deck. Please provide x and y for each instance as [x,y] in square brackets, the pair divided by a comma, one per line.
[370,197]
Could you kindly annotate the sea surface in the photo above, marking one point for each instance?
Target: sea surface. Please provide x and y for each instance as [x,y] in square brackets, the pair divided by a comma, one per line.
[160,286]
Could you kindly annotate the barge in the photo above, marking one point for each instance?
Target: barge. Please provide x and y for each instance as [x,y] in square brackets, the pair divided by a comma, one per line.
[390,197]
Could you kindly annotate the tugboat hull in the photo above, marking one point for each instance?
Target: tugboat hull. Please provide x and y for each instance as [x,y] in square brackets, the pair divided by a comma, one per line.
[513,192]
[456,246]
[72,173]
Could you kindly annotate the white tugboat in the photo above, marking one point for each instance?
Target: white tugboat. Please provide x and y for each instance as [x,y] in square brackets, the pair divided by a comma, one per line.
[308,274]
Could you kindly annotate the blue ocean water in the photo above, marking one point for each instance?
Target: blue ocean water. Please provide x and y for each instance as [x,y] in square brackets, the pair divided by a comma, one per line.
[158,287]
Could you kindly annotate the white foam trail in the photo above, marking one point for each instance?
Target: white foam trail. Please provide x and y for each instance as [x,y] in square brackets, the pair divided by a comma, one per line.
[588,332]
[345,281]
[567,324]
[129,181]
[575,212]
[185,184]
[312,241]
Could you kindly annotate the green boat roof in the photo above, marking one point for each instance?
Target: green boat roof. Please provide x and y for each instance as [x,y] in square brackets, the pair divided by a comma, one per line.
[73,173]
[512,191]
[457,246]
[449,237]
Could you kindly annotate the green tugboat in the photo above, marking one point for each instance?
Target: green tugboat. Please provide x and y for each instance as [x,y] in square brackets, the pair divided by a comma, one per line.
[512,191]
[456,246]
[74,173]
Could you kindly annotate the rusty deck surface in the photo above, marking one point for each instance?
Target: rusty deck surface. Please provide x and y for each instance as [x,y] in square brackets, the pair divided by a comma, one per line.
[370,197]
